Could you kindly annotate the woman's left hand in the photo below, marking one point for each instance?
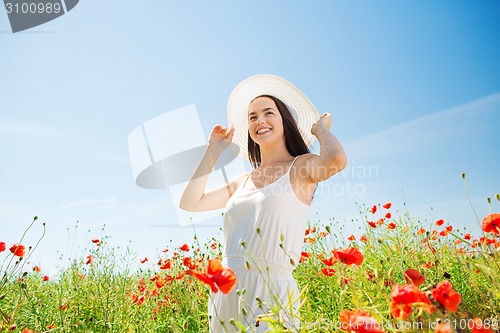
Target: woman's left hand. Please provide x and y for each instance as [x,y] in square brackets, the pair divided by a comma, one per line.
[325,121]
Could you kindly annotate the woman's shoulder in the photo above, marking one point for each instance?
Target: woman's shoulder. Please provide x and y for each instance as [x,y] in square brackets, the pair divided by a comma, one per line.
[236,181]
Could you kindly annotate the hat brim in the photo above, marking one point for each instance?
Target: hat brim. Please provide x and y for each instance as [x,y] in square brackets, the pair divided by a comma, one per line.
[302,110]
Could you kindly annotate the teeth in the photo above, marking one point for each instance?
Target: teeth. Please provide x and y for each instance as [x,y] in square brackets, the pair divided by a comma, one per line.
[263,130]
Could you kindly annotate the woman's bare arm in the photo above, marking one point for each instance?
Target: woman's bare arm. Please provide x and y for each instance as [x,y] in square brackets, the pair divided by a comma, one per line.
[195,198]
[331,158]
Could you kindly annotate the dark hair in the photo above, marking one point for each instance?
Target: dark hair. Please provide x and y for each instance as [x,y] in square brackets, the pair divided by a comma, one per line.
[293,139]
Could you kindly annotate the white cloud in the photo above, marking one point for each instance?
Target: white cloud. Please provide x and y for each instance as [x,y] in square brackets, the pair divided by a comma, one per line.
[429,131]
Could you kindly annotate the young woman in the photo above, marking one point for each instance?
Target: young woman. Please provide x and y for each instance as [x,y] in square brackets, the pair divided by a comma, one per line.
[266,209]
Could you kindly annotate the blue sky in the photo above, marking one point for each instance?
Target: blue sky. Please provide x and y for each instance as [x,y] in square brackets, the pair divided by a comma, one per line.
[413,86]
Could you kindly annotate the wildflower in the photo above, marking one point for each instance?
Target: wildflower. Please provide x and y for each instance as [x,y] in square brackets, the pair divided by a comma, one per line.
[429,264]
[444,233]
[445,295]
[217,277]
[439,222]
[18,250]
[403,297]
[164,263]
[184,248]
[36,269]
[372,224]
[63,307]
[443,328]
[330,261]
[373,209]
[349,256]
[363,239]
[380,221]
[491,223]
[351,238]
[388,215]
[414,276]
[359,321]
[90,258]
[467,236]
[323,234]
[391,226]
[387,205]
[51,326]
[421,231]
[328,271]
[26,330]
[96,240]
[45,278]
[304,256]
[138,299]
[2,246]
[479,327]
[144,260]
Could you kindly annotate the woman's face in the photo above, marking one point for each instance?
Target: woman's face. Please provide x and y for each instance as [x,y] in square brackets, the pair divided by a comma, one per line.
[265,124]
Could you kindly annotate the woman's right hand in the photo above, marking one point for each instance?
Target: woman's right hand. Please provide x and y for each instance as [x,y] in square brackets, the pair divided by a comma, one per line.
[220,137]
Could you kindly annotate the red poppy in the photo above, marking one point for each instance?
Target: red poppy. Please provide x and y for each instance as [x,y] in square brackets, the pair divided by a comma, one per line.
[351,238]
[51,326]
[2,246]
[330,261]
[18,250]
[359,321]
[63,307]
[439,222]
[421,231]
[491,223]
[391,226]
[217,277]
[26,331]
[404,296]
[445,295]
[479,327]
[349,256]
[414,276]
[373,209]
[164,263]
[36,269]
[45,278]
[89,259]
[443,328]
[144,260]
[372,224]
[380,221]
[363,239]
[328,271]
[387,205]
[467,236]
[388,215]
[95,240]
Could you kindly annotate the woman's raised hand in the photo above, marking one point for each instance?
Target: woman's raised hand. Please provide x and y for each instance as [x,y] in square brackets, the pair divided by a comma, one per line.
[221,137]
[325,121]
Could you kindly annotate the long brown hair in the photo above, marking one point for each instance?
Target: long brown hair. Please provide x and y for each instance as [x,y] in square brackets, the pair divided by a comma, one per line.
[293,139]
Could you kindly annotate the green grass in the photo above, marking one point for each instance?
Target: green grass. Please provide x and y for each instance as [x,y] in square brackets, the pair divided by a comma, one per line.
[106,296]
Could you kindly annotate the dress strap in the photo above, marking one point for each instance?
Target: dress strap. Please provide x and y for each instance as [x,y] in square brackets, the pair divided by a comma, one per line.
[291,164]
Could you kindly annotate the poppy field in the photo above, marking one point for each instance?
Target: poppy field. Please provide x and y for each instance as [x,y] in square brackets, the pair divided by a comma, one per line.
[399,275]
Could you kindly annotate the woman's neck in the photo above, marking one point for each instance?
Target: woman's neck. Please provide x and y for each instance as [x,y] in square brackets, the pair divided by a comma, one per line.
[274,156]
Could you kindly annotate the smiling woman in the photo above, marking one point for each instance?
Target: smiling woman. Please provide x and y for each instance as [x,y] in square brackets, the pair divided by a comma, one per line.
[265,210]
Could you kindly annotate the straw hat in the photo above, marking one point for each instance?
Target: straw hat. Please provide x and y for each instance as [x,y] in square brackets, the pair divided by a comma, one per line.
[302,110]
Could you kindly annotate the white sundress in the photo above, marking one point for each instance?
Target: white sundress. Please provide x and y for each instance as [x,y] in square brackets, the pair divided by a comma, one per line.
[261,219]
